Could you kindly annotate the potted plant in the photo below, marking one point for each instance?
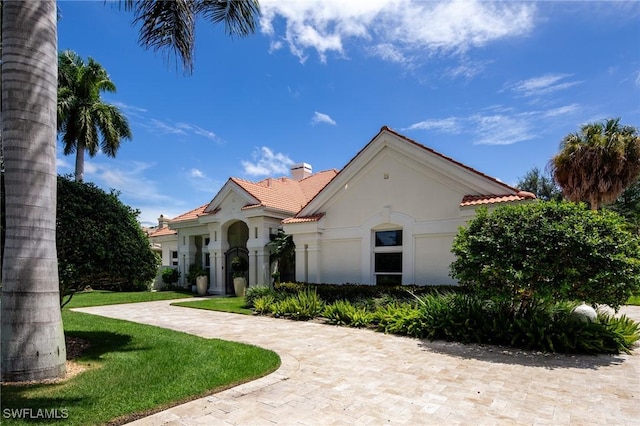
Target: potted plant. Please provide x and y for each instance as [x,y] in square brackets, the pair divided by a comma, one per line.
[239,268]
[197,277]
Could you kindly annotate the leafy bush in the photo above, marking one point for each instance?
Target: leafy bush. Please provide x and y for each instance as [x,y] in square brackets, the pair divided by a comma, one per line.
[305,305]
[170,276]
[195,271]
[548,250]
[263,304]
[100,242]
[256,292]
[535,325]
[343,312]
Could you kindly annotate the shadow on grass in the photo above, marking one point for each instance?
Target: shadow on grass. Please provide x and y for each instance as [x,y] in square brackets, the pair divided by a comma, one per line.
[101,342]
[516,356]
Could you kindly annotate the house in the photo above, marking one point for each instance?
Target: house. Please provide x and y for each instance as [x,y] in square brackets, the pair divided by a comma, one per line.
[388,217]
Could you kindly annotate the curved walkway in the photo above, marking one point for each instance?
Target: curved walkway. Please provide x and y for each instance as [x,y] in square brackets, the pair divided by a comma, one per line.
[337,376]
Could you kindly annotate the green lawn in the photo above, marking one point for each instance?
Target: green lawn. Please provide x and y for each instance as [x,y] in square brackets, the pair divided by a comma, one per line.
[135,369]
[223,304]
[100,297]
[634,300]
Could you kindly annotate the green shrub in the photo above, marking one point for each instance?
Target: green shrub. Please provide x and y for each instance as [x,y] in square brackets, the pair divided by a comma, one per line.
[305,305]
[263,304]
[548,250]
[195,271]
[170,276]
[535,325]
[343,312]
[256,292]
[398,318]
[100,242]
[358,292]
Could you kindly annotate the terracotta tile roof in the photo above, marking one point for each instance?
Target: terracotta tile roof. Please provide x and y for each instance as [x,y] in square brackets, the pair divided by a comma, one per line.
[160,232]
[284,193]
[191,214]
[312,218]
[474,200]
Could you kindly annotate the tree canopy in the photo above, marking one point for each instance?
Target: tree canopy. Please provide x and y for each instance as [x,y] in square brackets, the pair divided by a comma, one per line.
[541,184]
[85,121]
[100,242]
[597,163]
[561,251]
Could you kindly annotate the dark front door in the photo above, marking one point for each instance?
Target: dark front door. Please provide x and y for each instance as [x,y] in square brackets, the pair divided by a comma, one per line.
[228,257]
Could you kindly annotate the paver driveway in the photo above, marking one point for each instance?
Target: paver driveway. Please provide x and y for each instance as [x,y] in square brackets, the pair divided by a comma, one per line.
[336,375]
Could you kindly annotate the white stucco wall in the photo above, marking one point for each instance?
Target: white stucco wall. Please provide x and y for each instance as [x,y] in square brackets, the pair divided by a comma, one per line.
[391,190]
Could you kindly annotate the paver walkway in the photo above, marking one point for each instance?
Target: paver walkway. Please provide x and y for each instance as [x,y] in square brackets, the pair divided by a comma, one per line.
[338,376]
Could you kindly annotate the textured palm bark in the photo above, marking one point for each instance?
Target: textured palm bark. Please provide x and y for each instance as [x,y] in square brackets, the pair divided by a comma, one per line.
[33,346]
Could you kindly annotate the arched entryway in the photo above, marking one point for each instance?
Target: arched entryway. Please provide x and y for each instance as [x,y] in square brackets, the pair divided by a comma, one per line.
[237,237]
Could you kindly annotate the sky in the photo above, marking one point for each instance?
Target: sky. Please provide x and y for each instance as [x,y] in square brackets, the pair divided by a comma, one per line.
[494,85]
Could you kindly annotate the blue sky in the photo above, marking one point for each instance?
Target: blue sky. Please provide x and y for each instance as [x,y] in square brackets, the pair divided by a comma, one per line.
[495,85]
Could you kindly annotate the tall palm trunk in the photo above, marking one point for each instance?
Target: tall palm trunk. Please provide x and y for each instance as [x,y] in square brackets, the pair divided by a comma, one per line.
[33,346]
[80,162]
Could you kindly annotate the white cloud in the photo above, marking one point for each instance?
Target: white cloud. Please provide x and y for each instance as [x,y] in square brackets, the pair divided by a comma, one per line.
[567,109]
[637,78]
[191,128]
[126,108]
[319,117]
[197,174]
[446,125]
[498,125]
[63,166]
[543,85]
[200,182]
[392,29]
[127,177]
[165,128]
[267,163]
[503,129]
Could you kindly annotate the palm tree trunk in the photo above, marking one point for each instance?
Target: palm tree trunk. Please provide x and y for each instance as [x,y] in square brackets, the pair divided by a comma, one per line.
[33,346]
[80,162]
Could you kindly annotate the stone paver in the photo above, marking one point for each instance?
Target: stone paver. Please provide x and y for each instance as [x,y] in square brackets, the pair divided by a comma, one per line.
[337,376]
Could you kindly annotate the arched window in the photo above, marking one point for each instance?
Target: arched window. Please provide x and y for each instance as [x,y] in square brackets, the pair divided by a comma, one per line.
[387,257]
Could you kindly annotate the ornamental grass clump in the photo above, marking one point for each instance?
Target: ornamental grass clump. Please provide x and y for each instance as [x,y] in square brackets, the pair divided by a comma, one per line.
[303,306]
[343,312]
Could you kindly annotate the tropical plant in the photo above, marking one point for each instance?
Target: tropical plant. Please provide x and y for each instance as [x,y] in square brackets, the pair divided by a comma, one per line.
[283,251]
[628,205]
[33,346]
[597,163]
[541,184]
[256,292]
[99,241]
[85,121]
[239,266]
[561,251]
[30,293]
[195,270]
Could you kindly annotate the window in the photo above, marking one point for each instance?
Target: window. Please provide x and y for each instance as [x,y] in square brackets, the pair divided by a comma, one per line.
[174,258]
[387,255]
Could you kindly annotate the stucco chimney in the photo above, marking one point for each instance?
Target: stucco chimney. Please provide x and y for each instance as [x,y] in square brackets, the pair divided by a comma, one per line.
[300,171]
[163,222]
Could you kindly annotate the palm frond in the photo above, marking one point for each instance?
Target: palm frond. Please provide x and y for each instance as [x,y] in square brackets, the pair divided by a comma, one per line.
[167,26]
[240,17]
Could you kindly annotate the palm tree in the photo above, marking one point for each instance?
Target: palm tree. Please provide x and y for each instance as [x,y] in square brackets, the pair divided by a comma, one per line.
[597,163]
[33,346]
[541,184]
[82,115]
[283,251]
